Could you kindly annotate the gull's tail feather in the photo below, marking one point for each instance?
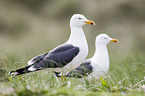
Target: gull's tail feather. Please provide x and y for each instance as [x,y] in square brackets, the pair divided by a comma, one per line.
[22,70]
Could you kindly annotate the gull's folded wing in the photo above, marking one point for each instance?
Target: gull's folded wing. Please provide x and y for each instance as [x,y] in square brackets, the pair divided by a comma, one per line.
[58,57]
[83,70]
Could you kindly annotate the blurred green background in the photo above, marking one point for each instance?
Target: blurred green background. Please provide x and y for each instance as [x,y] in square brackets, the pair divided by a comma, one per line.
[32,27]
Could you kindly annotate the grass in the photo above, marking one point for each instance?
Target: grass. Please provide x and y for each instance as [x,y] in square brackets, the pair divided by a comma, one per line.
[126,77]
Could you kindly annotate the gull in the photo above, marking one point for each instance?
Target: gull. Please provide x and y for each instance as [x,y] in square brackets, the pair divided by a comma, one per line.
[65,56]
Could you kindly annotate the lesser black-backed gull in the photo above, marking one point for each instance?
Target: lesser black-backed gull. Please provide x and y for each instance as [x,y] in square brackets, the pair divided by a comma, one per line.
[67,55]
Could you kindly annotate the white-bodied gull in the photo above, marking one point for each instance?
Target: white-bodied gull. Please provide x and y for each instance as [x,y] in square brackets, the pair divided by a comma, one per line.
[67,55]
[96,66]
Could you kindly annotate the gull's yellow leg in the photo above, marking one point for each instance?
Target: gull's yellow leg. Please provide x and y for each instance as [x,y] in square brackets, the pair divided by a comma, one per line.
[62,77]
[65,78]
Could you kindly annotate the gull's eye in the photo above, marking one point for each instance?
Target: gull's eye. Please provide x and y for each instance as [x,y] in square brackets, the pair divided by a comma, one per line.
[79,18]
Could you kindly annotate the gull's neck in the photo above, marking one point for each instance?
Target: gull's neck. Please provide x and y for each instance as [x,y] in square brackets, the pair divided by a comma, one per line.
[101,57]
[101,50]
[77,36]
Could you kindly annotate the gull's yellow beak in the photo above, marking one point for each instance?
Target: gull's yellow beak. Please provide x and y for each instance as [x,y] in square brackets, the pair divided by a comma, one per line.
[90,22]
[114,40]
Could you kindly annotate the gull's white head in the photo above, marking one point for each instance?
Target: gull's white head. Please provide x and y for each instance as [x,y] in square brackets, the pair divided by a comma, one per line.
[104,39]
[78,20]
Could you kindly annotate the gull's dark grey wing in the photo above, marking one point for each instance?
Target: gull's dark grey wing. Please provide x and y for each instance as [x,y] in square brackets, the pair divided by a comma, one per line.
[37,59]
[58,57]
[83,70]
